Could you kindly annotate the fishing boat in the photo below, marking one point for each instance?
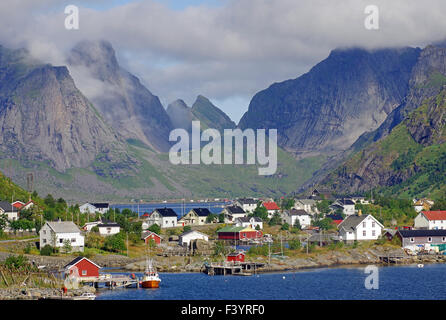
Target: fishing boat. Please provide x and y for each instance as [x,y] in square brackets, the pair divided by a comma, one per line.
[150,278]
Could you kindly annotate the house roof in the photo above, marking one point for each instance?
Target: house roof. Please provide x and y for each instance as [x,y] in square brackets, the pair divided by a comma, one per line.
[18,204]
[202,212]
[5,205]
[435,215]
[146,214]
[334,217]
[63,226]
[108,224]
[166,212]
[422,233]
[248,219]
[235,209]
[298,212]
[307,201]
[79,259]
[145,234]
[344,202]
[100,205]
[351,222]
[271,205]
[192,231]
[231,229]
[247,201]
[236,253]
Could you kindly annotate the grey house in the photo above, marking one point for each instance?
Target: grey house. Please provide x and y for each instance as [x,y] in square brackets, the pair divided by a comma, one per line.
[421,237]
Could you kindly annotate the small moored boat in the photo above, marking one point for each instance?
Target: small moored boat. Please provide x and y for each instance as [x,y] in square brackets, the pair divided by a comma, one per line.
[150,278]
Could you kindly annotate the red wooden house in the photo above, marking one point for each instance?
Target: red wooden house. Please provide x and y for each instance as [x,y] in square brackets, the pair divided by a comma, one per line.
[82,267]
[238,233]
[149,235]
[236,257]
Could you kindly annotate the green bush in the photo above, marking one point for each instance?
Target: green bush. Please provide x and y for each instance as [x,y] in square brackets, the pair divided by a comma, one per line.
[16,262]
[47,250]
[155,228]
[294,244]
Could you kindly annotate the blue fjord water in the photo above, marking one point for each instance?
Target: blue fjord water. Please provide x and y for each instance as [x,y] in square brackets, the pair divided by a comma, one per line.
[397,282]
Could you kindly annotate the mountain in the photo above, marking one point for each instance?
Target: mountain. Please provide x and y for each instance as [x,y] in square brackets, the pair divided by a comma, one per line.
[427,79]
[410,161]
[180,115]
[203,110]
[325,110]
[45,118]
[211,116]
[128,106]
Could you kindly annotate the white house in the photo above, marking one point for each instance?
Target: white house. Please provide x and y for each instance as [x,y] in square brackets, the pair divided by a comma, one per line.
[187,237]
[90,225]
[251,222]
[309,205]
[346,205]
[271,207]
[55,233]
[233,212]
[293,215]
[108,228]
[430,220]
[360,227]
[164,217]
[7,209]
[247,204]
[94,207]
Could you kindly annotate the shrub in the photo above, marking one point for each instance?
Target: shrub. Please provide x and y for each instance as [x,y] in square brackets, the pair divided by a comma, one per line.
[47,250]
[294,244]
[16,262]
[155,228]
[285,226]
[187,228]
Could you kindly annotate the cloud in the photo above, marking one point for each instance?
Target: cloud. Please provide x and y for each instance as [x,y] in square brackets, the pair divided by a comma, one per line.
[227,52]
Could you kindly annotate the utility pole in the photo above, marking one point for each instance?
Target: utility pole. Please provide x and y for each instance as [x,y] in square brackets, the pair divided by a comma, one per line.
[308,242]
[127,244]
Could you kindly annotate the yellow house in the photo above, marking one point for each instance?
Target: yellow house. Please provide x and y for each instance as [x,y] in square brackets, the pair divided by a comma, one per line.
[195,217]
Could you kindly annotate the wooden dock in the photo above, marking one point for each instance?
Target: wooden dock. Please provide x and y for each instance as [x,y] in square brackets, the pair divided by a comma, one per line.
[391,258]
[111,281]
[232,268]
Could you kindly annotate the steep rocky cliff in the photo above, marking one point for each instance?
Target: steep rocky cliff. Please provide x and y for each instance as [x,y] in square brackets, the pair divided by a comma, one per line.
[328,108]
[127,105]
[409,161]
[44,117]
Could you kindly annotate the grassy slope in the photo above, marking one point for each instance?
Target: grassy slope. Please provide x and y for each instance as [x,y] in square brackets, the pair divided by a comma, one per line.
[399,153]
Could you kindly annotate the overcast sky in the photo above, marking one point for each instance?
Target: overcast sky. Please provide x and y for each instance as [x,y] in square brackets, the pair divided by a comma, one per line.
[225,50]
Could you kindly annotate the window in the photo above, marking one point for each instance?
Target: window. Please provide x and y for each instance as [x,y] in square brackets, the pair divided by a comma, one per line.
[373,233]
[84,272]
[443,239]
[60,240]
[44,231]
[44,240]
[363,233]
[373,224]
[429,239]
[73,240]
[412,240]
[363,224]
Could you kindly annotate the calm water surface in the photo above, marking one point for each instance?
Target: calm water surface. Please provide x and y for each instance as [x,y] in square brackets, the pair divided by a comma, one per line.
[399,282]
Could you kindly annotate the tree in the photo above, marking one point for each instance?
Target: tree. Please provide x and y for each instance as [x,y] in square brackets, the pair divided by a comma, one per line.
[275,220]
[221,217]
[287,203]
[187,228]
[47,250]
[285,226]
[324,224]
[323,206]
[211,218]
[261,212]
[67,246]
[297,225]
[294,244]
[439,205]
[116,242]
[3,222]
[155,228]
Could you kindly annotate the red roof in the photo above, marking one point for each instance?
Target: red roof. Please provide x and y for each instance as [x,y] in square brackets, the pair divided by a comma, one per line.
[146,214]
[271,205]
[18,204]
[435,215]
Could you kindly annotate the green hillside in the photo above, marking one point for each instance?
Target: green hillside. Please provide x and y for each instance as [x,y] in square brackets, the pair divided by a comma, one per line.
[409,162]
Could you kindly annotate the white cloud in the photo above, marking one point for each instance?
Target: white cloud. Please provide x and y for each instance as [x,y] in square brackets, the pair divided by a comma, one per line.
[226,53]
